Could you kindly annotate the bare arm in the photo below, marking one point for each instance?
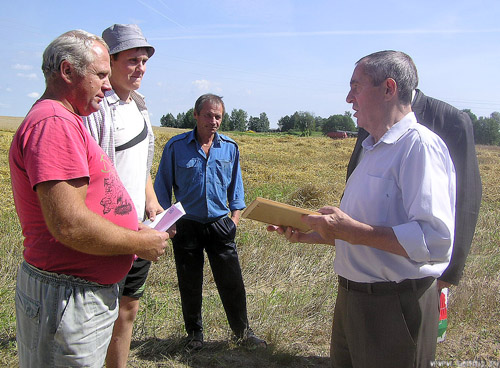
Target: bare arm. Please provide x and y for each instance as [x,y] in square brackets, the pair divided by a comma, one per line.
[71,222]
[152,206]
[235,216]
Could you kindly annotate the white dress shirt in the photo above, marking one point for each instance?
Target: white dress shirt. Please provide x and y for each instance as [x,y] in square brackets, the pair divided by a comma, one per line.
[406,181]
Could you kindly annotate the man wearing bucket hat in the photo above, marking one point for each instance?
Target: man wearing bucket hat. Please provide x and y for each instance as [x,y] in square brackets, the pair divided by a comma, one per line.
[123,129]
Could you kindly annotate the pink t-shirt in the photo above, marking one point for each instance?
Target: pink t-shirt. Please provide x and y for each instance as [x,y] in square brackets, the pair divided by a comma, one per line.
[53,144]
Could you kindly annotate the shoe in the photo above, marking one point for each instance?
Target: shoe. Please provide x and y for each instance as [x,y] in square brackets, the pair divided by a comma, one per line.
[250,341]
[194,341]
[194,345]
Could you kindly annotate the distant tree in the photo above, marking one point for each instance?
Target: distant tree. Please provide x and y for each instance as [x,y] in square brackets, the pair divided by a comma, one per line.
[259,124]
[472,116]
[339,122]
[487,130]
[304,121]
[168,121]
[332,123]
[349,124]
[495,116]
[180,119]
[253,123]
[238,120]
[319,121]
[285,124]
[188,121]
[225,124]
[264,121]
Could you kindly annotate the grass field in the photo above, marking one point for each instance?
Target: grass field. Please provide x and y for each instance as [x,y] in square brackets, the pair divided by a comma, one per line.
[291,288]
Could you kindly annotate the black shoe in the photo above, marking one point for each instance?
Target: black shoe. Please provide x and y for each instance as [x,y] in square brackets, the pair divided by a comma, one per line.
[194,341]
[250,341]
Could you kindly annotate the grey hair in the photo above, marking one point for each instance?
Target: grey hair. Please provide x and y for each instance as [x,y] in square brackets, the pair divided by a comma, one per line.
[392,64]
[73,46]
[209,97]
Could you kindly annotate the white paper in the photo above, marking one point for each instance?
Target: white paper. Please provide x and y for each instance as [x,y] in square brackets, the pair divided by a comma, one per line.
[167,218]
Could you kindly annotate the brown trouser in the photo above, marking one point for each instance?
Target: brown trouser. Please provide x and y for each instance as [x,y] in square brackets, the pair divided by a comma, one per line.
[384,325]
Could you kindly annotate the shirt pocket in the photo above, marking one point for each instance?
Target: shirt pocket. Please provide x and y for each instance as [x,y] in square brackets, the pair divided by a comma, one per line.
[189,172]
[382,193]
[223,172]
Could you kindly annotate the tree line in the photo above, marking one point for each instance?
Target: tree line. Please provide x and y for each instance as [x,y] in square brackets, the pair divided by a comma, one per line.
[239,120]
[486,129]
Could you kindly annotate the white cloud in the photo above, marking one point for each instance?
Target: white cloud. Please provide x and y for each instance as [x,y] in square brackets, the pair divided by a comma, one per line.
[33,95]
[22,67]
[202,85]
[8,89]
[205,86]
[28,76]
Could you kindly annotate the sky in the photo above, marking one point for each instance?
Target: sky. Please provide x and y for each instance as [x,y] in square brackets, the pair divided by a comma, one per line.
[272,56]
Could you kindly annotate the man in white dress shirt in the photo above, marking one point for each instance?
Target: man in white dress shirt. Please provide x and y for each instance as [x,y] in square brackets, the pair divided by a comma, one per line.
[394,229]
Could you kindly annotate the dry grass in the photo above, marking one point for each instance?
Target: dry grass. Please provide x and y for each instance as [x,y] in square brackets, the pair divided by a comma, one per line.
[291,288]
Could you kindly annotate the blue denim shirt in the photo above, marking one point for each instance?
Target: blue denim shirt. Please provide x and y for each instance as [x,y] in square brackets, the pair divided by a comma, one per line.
[208,187]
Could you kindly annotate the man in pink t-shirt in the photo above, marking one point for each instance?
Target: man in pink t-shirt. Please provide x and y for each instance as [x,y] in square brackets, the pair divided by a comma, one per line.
[79,223]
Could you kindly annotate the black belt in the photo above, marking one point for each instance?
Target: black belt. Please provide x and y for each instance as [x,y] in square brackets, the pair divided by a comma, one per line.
[388,287]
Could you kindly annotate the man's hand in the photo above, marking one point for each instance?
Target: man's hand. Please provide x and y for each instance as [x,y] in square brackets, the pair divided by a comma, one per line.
[443,284]
[172,230]
[153,243]
[332,224]
[296,236]
[152,209]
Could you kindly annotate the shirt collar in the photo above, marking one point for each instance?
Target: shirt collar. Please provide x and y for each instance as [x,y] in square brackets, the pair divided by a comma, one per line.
[393,134]
[112,98]
[192,137]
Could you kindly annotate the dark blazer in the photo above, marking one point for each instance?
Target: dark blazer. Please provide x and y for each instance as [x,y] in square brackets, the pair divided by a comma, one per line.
[455,129]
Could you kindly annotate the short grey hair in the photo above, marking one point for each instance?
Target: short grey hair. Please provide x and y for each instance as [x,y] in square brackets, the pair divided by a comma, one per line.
[392,64]
[209,97]
[73,46]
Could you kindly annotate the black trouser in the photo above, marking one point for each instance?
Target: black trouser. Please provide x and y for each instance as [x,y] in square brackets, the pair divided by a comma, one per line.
[385,325]
[217,238]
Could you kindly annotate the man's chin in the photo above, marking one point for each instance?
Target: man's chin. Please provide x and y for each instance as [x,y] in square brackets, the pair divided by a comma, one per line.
[89,110]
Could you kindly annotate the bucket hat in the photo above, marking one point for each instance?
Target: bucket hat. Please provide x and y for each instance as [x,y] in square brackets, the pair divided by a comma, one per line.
[121,37]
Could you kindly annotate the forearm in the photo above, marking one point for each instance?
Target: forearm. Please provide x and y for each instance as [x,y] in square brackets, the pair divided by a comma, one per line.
[382,238]
[335,224]
[235,216]
[89,233]
[150,192]
[152,206]
[71,222]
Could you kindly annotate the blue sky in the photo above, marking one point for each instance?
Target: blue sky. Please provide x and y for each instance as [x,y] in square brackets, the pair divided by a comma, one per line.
[272,56]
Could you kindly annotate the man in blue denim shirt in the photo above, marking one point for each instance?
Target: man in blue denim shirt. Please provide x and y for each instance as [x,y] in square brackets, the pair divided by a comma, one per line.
[202,166]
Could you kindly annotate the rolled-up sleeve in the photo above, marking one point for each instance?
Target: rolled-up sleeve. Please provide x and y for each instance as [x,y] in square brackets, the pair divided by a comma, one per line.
[429,203]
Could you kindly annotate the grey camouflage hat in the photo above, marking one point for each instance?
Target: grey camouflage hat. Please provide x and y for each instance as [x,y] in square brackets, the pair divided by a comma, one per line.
[121,37]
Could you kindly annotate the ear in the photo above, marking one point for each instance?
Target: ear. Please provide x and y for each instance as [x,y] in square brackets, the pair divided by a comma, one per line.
[67,71]
[391,88]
